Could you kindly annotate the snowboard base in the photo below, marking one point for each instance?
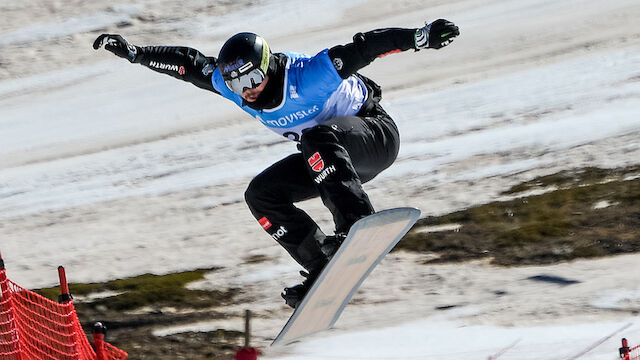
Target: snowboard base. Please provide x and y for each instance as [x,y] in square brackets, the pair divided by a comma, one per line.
[369,240]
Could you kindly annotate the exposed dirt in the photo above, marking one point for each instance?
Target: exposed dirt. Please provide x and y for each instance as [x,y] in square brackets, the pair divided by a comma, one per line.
[133,334]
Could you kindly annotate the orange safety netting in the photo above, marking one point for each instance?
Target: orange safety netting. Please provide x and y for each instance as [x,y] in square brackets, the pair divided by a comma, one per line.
[33,327]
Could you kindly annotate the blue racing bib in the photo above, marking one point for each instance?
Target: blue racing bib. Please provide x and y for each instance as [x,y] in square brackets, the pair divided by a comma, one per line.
[313,93]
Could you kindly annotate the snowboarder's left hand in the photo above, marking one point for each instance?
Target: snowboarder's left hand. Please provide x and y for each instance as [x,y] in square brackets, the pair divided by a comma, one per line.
[436,35]
[117,45]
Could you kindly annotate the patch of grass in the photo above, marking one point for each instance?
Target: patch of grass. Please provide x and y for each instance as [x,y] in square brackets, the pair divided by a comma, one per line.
[149,290]
[555,226]
[77,289]
[572,178]
[161,296]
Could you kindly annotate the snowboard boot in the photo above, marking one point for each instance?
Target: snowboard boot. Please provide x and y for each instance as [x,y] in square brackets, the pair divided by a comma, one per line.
[293,295]
[330,245]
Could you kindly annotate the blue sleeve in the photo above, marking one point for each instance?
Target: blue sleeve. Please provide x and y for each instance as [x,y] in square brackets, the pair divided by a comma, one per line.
[319,74]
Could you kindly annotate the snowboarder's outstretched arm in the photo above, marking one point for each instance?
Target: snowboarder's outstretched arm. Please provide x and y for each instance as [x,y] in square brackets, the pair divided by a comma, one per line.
[181,62]
[368,46]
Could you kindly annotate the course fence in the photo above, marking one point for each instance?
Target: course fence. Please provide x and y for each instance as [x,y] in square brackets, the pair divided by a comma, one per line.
[627,353]
[33,327]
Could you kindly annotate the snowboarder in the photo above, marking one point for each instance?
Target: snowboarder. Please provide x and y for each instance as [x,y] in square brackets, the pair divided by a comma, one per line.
[344,135]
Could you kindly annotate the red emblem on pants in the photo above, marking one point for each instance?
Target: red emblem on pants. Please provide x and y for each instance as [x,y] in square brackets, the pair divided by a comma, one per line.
[316,162]
[265,223]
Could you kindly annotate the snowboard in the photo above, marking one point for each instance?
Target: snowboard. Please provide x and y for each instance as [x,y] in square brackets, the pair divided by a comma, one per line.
[369,240]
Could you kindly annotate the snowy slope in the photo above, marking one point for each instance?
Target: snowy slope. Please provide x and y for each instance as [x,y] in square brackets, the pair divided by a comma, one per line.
[106,165]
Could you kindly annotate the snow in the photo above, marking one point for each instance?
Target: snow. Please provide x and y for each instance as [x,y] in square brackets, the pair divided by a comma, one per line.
[439,339]
[47,32]
[106,165]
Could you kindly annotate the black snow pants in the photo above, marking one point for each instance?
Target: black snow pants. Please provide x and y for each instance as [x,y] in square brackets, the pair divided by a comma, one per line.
[336,158]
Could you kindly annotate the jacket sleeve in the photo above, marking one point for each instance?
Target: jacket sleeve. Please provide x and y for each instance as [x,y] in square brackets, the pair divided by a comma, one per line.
[181,62]
[366,47]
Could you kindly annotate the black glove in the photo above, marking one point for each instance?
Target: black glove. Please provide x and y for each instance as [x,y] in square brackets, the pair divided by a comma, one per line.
[117,45]
[438,34]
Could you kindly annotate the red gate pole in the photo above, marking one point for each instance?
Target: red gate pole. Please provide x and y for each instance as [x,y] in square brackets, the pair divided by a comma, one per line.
[247,352]
[99,331]
[624,350]
[5,295]
[65,298]
[3,280]
[65,294]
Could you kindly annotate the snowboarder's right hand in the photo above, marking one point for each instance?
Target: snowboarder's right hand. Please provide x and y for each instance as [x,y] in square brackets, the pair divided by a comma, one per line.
[117,45]
[436,35]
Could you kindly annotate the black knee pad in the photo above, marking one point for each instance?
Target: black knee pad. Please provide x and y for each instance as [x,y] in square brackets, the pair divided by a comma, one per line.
[254,191]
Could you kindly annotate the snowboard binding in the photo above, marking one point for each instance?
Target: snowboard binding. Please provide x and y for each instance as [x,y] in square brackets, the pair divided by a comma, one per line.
[293,295]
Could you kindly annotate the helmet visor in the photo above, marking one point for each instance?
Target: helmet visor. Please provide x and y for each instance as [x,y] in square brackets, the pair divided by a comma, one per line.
[249,80]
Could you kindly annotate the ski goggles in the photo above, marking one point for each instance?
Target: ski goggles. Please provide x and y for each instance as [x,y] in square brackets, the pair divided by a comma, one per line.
[249,80]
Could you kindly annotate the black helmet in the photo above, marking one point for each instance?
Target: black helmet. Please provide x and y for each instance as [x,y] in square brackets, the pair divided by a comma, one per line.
[243,61]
